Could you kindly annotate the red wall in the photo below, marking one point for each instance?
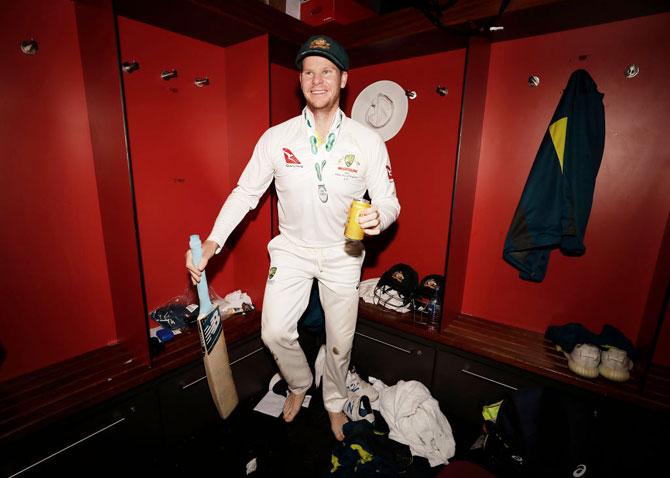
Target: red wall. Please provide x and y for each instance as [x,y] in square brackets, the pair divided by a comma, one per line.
[55,289]
[178,142]
[248,110]
[610,283]
[189,146]
[286,100]
[423,155]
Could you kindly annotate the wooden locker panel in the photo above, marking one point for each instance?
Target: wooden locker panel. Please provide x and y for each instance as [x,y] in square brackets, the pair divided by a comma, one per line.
[463,385]
[390,357]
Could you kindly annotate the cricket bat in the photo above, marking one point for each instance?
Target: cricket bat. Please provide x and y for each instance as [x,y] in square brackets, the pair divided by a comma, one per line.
[215,353]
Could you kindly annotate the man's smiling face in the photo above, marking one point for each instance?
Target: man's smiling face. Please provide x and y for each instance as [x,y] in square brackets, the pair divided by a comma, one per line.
[321,81]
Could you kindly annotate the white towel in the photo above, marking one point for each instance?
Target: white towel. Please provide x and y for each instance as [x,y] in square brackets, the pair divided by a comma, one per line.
[415,419]
[366,290]
[232,302]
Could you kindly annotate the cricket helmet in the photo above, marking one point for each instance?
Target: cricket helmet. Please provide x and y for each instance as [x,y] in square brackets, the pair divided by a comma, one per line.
[396,287]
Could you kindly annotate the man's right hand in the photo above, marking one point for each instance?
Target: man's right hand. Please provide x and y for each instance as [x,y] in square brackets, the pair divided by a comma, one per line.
[208,250]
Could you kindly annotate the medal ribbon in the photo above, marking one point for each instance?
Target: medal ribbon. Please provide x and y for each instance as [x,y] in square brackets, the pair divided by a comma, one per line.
[314,147]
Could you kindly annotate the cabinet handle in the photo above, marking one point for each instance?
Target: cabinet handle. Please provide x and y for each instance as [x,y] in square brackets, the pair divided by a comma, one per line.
[68,447]
[488,379]
[184,387]
[409,352]
[246,356]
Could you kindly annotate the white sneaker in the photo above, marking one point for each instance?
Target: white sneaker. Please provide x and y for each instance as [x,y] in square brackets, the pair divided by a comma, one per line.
[615,364]
[584,360]
[357,385]
[357,407]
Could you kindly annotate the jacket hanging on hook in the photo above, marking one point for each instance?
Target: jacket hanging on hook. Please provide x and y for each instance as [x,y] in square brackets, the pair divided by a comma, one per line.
[556,201]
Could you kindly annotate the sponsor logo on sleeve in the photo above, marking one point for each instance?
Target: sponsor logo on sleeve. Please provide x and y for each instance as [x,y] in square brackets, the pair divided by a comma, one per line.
[389,173]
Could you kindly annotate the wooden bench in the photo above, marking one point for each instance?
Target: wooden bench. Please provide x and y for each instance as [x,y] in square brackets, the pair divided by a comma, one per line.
[525,350]
[35,399]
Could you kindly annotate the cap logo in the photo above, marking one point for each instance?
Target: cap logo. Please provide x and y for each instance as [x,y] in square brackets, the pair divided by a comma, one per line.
[320,43]
[398,276]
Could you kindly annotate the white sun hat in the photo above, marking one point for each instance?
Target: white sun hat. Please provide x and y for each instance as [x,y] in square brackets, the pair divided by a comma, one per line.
[381,106]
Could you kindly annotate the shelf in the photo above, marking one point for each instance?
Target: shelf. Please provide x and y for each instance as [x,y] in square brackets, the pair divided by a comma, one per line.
[525,350]
[36,399]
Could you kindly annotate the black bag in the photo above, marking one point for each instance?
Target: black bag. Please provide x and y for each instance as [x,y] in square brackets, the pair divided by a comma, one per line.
[539,432]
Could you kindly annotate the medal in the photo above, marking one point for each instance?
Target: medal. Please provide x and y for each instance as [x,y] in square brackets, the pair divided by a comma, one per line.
[321,188]
[323,193]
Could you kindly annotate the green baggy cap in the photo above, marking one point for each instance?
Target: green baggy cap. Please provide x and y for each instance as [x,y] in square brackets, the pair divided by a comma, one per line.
[322,45]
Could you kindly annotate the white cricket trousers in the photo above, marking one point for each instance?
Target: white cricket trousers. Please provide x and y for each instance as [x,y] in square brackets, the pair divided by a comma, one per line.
[287,291]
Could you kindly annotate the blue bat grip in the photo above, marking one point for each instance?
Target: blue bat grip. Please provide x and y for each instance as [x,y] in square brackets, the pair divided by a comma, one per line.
[203,292]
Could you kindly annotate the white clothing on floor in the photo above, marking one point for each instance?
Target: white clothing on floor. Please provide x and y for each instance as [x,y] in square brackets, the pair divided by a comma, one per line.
[415,419]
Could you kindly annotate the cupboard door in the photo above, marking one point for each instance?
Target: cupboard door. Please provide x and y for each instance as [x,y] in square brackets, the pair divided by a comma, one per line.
[116,438]
[252,366]
[186,404]
[390,357]
[186,401]
[463,385]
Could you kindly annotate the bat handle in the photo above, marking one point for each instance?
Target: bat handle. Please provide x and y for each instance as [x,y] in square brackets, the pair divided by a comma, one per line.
[203,292]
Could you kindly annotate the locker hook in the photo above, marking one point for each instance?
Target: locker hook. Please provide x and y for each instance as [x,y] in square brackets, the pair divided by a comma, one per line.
[632,70]
[169,74]
[200,82]
[130,66]
[29,47]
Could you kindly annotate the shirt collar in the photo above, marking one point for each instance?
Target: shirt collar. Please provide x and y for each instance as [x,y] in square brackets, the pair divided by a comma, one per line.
[333,132]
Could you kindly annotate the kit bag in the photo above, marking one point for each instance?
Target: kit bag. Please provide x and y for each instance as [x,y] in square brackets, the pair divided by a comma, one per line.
[538,431]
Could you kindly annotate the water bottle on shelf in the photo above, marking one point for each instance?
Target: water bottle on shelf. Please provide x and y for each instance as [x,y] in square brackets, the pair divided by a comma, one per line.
[434,310]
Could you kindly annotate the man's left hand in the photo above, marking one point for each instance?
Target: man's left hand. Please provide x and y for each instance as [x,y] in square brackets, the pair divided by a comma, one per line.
[369,221]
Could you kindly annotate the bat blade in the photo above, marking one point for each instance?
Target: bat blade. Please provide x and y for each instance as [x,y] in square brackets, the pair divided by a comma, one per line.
[215,353]
[217,366]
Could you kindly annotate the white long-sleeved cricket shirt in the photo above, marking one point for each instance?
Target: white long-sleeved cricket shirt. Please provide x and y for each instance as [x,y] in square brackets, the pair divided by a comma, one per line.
[315,182]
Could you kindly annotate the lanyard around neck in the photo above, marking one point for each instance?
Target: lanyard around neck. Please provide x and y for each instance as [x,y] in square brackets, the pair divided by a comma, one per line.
[322,191]
[332,134]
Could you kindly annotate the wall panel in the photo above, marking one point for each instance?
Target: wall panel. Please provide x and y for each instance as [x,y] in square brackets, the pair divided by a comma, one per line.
[248,114]
[179,147]
[611,282]
[54,284]
[423,156]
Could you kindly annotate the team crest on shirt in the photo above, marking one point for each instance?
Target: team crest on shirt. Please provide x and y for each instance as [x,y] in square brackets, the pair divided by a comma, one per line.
[291,161]
[348,166]
[271,274]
